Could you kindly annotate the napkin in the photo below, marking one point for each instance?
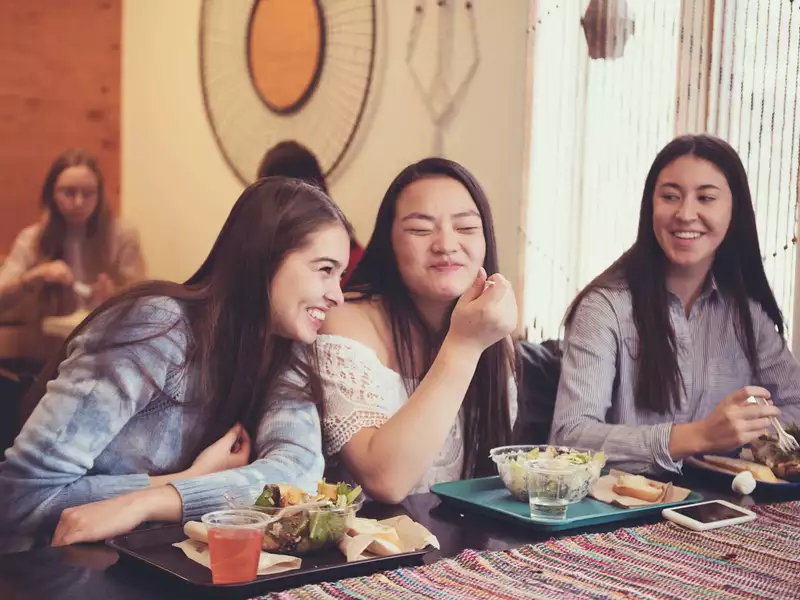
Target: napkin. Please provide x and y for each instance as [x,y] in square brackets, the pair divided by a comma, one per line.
[368,538]
[602,490]
[196,549]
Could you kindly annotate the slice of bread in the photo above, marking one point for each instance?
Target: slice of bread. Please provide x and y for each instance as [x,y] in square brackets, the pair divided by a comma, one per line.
[737,465]
[636,486]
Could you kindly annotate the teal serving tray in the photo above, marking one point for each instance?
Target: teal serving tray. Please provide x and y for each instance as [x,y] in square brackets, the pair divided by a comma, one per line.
[489,496]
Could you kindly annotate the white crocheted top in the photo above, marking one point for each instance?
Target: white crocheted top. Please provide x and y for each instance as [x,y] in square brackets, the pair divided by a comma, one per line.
[361,392]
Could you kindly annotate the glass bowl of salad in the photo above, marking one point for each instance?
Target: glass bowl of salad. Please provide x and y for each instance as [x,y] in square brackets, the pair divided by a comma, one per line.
[303,529]
[514,462]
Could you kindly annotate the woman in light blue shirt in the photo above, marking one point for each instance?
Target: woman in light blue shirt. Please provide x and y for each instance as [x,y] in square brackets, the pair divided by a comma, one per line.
[664,347]
[165,370]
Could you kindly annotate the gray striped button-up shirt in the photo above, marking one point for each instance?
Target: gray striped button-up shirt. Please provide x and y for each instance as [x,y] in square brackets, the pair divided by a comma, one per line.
[595,406]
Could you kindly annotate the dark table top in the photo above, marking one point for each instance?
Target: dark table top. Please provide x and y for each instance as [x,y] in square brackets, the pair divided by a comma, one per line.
[95,571]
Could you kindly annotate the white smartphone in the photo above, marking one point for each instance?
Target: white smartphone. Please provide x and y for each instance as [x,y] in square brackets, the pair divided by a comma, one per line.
[708,515]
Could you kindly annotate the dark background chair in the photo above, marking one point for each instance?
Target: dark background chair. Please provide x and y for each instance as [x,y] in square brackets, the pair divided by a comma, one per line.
[540,370]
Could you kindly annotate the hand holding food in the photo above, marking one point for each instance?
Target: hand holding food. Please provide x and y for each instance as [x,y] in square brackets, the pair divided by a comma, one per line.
[735,421]
[485,314]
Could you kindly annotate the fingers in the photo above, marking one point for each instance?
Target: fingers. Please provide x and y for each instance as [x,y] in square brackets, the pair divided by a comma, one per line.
[758,411]
[475,290]
[750,390]
[64,530]
[233,437]
[245,443]
[58,535]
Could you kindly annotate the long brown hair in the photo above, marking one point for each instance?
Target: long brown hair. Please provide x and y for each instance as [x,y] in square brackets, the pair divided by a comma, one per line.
[98,226]
[737,270]
[486,405]
[231,345]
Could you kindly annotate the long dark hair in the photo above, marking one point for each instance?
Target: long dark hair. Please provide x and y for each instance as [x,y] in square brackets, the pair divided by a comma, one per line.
[486,405]
[98,226]
[737,270]
[232,347]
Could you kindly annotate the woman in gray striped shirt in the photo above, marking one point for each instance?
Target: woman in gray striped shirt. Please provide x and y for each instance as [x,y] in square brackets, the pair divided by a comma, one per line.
[663,348]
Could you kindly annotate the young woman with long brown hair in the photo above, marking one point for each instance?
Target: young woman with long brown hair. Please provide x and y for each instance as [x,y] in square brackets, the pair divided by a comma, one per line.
[665,347]
[417,366]
[166,370]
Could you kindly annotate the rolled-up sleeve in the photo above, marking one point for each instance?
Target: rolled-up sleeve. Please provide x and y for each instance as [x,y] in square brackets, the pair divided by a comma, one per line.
[586,392]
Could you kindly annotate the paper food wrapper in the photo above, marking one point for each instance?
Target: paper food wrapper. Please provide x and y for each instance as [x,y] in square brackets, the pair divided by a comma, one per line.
[602,490]
[368,538]
[196,549]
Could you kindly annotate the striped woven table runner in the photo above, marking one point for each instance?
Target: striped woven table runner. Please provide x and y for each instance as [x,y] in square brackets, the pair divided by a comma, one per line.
[760,559]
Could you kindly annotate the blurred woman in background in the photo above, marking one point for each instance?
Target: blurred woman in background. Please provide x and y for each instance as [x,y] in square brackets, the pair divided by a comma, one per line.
[79,254]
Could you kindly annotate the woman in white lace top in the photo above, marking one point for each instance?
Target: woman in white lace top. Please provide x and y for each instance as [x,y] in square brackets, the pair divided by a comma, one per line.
[417,366]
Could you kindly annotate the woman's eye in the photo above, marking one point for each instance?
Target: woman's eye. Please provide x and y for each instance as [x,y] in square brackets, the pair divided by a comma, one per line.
[419,231]
[327,270]
[469,229]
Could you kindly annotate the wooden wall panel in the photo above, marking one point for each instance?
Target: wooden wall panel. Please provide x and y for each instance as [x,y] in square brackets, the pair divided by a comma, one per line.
[59,87]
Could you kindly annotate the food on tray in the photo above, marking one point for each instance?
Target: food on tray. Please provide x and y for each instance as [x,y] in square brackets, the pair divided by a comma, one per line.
[636,486]
[375,528]
[736,465]
[765,451]
[512,463]
[307,529]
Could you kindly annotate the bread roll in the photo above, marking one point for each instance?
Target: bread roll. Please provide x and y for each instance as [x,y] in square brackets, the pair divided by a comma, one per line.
[636,486]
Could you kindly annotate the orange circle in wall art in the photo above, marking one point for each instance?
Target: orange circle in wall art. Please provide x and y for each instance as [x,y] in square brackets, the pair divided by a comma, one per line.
[285,51]
[275,70]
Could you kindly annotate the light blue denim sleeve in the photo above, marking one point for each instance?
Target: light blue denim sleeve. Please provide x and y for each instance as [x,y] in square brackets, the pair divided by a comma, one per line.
[289,450]
[48,468]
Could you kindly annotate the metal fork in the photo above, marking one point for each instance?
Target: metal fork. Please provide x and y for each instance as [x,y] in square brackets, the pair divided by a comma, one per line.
[787,443]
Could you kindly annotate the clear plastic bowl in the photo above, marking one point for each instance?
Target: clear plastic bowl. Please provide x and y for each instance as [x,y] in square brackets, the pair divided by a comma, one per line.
[301,532]
[512,466]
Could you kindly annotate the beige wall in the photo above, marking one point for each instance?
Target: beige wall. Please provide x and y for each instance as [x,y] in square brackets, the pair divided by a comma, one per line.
[178,189]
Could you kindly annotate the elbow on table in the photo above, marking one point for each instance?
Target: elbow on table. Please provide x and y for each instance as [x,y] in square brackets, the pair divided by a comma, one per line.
[385,490]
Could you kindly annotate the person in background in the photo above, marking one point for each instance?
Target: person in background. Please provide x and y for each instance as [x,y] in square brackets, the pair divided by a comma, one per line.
[149,413]
[291,159]
[664,348]
[418,367]
[79,254]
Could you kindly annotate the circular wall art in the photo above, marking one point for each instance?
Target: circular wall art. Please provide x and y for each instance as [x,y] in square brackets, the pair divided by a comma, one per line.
[273,70]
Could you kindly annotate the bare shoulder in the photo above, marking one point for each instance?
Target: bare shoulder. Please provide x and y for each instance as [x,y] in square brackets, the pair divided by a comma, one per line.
[363,321]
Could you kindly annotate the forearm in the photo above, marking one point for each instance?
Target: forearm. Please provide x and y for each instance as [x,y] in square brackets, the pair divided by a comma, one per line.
[632,448]
[35,505]
[398,454]
[159,480]
[297,466]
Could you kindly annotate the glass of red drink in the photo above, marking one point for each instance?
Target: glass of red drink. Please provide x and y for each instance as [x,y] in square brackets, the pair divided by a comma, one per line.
[234,544]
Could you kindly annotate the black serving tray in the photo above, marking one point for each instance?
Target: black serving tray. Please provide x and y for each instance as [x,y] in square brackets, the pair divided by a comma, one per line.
[154,548]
